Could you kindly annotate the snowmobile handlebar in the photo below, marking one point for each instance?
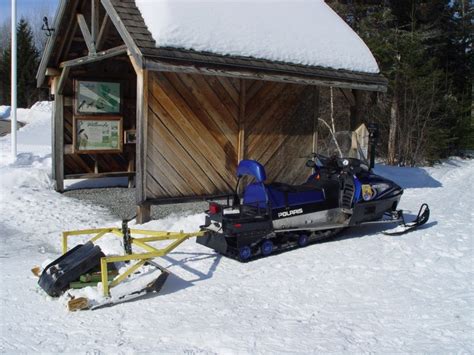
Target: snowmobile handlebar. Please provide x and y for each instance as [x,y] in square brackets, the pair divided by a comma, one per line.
[347,165]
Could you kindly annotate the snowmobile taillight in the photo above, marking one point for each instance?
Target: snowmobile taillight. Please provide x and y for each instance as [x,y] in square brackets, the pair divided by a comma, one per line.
[237,225]
[214,208]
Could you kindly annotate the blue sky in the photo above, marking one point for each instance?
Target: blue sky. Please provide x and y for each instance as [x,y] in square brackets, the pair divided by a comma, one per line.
[28,8]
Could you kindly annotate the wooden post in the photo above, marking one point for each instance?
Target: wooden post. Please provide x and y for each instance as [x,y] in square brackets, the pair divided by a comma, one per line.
[94,20]
[86,34]
[241,138]
[356,110]
[58,141]
[143,213]
[130,169]
[316,105]
[141,145]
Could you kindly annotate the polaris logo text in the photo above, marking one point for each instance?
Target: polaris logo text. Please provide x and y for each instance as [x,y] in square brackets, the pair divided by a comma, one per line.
[290,213]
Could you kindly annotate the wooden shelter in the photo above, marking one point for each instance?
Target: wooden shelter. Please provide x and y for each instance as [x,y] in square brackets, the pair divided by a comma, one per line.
[194,115]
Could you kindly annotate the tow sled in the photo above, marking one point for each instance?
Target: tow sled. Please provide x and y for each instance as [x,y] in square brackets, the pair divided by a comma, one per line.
[341,192]
[68,270]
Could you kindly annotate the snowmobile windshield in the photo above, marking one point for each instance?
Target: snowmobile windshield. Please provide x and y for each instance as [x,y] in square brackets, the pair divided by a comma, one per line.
[344,144]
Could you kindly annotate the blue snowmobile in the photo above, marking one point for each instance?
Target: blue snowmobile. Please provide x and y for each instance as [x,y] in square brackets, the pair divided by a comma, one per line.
[342,191]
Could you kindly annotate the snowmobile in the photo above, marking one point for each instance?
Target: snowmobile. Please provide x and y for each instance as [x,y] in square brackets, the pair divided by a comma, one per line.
[342,191]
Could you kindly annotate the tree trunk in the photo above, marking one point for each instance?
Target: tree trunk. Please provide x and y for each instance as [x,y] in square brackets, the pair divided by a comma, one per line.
[392,134]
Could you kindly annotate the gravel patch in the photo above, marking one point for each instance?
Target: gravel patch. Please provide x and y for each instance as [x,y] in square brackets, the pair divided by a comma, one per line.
[121,202]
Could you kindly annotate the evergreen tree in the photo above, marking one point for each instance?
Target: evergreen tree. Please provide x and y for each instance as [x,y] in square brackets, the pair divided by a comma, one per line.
[27,63]
[424,48]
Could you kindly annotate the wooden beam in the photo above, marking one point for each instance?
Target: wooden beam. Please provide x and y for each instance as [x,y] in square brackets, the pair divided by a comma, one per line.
[267,76]
[52,72]
[109,53]
[316,114]
[123,32]
[142,131]
[86,33]
[100,175]
[356,110]
[94,21]
[241,138]
[143,213]
[348,95]
[62,80]
[104,29]
[58,141]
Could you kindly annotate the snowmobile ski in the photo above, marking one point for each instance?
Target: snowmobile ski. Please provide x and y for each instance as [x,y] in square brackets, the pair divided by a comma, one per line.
[421,218]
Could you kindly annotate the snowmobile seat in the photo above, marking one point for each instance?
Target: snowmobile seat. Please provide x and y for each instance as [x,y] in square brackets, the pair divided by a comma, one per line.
[281,195]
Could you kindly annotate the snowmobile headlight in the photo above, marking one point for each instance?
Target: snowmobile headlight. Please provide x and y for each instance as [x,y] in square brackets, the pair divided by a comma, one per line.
[380,188]
[345,162]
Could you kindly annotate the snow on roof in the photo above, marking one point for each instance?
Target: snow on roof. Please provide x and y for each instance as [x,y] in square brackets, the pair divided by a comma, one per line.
[304,32]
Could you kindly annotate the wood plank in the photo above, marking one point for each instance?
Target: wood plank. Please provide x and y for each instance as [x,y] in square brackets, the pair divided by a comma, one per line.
[164,173]
[159,174]
[241,142]
[109,53]
[184,164]
[143,213]
[62,81]
[282,126]
[94,21]
[224,97]
[58,142]
[316,115]
[153,186]
[212,146]
[211,104]
[267,95]
[104,30]
[191,107]
[123,32]
[229,88]
[268,121]
[254,88]
[142,123]
[187,136]
[268,76]
[183,180]
[89,41]
[95,175]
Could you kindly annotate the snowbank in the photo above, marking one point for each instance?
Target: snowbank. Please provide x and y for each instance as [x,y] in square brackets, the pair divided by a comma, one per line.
[4,111]
[304,32]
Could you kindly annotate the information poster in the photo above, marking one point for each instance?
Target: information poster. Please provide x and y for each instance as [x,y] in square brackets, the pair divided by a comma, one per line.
[97,97]
[98,135]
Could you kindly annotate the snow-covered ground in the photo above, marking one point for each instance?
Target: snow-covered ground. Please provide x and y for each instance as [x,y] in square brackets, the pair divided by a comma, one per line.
[363,292]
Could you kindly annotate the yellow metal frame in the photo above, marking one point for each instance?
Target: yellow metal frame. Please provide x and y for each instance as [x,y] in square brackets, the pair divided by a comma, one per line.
[151,252]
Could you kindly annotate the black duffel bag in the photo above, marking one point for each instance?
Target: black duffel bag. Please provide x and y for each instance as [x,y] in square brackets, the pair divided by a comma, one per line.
[69,267]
